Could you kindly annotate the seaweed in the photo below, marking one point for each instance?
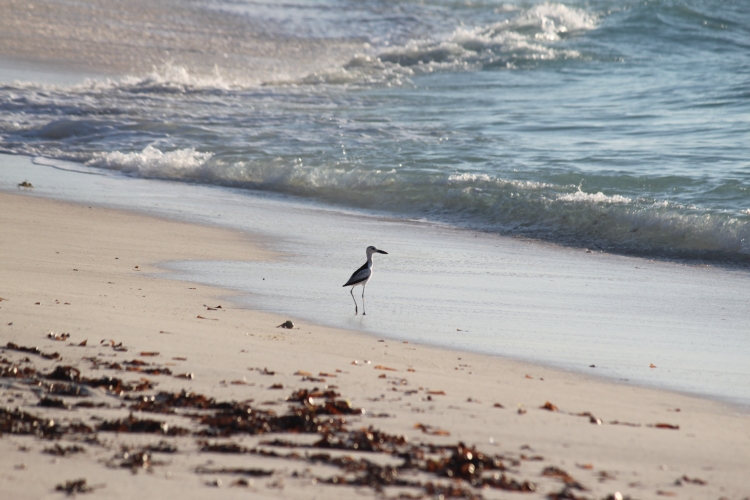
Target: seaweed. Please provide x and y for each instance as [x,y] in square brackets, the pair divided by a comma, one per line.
[461,471]
[32,350]
[562,475]
[19,422]
[205,446]
[161,447]
[72,390]
[15,371]
[132,424]
[134,460]
[52,403]
[252,472]
[64,373]
[166,402]
[59,451]
[368,440]
[71,488]
[565,494]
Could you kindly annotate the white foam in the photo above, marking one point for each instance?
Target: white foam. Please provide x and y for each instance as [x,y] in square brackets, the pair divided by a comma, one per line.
[553,19]
[151,162]
[491,181]
[166,78]
[469,178]
[598,198]
[530,35]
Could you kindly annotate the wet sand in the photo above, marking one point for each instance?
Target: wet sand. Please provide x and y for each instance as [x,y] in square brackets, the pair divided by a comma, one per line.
[91,275]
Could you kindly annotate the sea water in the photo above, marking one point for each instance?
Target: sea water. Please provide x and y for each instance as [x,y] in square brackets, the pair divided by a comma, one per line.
[614,126]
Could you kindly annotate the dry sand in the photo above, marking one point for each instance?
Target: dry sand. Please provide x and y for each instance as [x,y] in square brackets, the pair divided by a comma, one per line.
[93,273]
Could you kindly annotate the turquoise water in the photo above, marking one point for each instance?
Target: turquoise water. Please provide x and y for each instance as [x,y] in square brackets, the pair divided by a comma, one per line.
[615,125]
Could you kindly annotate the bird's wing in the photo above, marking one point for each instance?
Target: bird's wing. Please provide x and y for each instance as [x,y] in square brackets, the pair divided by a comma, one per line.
[359,275]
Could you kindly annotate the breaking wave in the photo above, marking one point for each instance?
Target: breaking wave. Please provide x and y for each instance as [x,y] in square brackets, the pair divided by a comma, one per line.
[559,213]
[505,152]
[525,37]
[151,162]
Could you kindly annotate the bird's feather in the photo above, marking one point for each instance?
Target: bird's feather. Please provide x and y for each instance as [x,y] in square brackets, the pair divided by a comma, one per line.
[359,275]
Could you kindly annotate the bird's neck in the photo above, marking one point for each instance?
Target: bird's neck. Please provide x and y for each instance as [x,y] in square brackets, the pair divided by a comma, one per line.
[369,260]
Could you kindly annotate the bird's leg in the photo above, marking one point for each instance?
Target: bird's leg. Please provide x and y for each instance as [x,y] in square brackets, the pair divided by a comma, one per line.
[356,310]
[363,300]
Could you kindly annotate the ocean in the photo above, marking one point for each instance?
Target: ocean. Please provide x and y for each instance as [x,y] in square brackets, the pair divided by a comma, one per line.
[616,128]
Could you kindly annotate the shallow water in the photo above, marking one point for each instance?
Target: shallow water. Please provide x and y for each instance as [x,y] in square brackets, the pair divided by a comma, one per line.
[617,125]
[455,288]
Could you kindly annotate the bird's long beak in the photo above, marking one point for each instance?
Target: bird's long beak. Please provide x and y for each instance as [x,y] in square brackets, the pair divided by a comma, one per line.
[381,251]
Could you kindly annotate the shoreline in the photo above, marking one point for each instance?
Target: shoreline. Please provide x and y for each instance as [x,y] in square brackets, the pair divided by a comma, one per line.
[235,297]
[203,39]
[58,182]
[442,394]
[554,335]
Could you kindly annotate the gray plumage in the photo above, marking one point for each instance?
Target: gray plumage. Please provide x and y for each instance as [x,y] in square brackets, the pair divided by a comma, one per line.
[361,276]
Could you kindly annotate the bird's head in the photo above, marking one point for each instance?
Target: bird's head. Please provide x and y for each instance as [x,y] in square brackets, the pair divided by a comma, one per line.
[371,250]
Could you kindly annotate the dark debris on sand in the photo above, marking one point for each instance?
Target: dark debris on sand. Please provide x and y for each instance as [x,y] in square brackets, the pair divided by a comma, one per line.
[19,422]
[430,470]
[32,350]
[133,424]
[71,488]
[61,451]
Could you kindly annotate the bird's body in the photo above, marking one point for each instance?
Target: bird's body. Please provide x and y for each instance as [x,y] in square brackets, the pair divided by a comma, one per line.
[361,276]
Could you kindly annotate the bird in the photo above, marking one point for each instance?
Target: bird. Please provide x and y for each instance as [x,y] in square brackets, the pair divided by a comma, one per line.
[361,276]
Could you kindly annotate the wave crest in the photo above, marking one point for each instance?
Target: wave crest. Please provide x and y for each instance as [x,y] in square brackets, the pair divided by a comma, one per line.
[525,37]
[151,162]
[560,213]
[598,198]
[529,36]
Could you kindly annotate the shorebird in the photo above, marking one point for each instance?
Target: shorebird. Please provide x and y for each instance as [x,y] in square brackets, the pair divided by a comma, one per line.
[361,276]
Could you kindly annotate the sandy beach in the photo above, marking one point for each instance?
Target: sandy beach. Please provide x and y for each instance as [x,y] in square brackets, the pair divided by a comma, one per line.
[85,283]
[202,177]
